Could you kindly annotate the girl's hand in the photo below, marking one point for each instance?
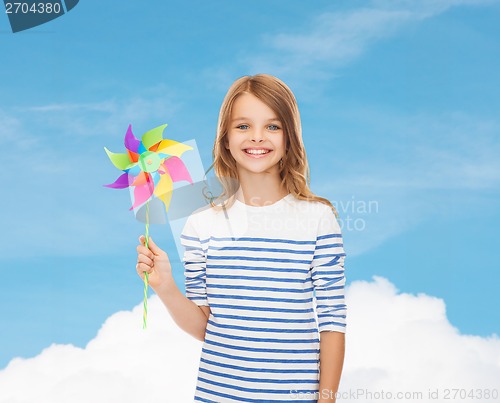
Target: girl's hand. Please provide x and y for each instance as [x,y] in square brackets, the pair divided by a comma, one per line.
[154,261]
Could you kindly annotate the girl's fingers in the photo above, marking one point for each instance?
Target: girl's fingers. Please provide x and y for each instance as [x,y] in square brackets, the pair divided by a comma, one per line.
[153,247]
[138,270]
[145,259]
[145,251]
[141,268]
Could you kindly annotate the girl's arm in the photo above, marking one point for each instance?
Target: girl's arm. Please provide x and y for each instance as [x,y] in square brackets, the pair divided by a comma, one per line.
[331,356]
[186,313]
[329,281]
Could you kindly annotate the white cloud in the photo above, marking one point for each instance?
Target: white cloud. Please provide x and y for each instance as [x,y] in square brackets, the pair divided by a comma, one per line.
[412,166]
[446,151]
[123,363]
[332,39]
[403,342]
[427,8]
[395,342]
[440,151]
[105,119]
[12,136]
[407,162]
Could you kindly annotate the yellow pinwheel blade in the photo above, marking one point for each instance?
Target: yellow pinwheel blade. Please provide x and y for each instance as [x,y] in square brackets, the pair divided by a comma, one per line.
[172,147]
[163,190]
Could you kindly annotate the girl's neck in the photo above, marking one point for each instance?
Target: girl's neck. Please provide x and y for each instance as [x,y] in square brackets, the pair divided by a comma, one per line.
[260,190]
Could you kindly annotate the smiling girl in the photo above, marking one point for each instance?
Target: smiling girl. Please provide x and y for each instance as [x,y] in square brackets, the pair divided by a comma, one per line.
[264,269]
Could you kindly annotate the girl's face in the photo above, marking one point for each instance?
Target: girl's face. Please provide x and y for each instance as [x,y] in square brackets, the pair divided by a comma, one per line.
[255,137]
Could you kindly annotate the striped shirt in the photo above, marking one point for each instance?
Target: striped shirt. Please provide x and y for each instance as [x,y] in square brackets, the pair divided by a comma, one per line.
[273,277]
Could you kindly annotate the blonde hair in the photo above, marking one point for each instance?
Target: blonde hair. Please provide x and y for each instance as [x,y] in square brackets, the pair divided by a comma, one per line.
[294,169]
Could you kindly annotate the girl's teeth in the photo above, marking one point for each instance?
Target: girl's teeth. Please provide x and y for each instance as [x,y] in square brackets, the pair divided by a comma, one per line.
[257,151]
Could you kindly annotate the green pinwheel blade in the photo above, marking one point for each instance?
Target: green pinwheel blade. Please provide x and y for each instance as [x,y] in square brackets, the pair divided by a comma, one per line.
[121,161]
[153,136]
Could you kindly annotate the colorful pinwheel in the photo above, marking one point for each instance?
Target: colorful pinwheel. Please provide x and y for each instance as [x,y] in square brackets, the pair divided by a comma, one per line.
[150,166]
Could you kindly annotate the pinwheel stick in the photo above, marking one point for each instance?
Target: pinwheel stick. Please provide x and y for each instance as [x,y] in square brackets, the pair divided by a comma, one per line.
[146,277]
[151,166]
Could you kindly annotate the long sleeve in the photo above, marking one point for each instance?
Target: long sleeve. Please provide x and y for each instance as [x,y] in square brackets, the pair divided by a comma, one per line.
[327,273]
[194,261]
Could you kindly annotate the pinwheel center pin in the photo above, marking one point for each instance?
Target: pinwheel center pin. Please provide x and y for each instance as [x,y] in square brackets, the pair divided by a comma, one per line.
[149,161]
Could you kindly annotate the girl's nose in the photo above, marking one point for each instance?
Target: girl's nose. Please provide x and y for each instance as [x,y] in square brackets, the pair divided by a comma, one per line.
[257,135]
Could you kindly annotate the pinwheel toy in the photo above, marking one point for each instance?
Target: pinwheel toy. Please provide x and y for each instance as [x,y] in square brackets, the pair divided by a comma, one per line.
[150,167]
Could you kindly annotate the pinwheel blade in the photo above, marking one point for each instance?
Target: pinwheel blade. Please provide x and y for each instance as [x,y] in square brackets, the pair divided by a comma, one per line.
[172,147]
[164,190]
[121,161]
[134,169]
[156,177]
[154,147]
[141,148]
[153,136]
[142,193]
[121,183]
[134,157]
[141,179]
[131,142]
[177,169]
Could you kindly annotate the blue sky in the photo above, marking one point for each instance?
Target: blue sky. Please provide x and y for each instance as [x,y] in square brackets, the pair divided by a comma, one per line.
[399,104]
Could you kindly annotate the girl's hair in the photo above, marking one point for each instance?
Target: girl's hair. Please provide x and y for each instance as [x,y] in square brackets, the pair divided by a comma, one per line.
[294,169]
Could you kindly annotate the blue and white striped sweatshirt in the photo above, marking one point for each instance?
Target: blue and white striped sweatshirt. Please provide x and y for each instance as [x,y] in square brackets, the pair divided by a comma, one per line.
[273,277]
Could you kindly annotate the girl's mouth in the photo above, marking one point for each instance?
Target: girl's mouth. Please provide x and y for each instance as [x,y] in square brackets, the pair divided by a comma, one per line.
[257,152]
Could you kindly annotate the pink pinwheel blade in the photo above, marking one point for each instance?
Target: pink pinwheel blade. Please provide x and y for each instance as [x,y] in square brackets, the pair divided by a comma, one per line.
[142,194]
[121,183]
[131,142]
[177,169]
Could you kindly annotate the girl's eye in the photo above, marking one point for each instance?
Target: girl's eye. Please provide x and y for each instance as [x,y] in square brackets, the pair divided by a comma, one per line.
[243,127]
[273,127]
